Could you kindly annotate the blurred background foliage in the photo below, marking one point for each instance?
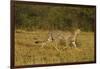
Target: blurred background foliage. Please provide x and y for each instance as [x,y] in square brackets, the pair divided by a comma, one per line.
[54,17]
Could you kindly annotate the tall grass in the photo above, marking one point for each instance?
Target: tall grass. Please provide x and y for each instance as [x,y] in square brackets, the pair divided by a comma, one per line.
[27,52]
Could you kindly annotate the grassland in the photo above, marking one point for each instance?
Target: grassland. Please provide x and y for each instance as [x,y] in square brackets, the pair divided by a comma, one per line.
[29,53]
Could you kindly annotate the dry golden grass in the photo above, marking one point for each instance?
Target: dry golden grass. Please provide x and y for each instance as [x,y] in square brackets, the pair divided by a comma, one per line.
[27,52]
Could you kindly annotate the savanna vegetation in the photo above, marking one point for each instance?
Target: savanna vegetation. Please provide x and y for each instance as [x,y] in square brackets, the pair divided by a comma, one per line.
[34,16]
[27,52]
[34,21]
